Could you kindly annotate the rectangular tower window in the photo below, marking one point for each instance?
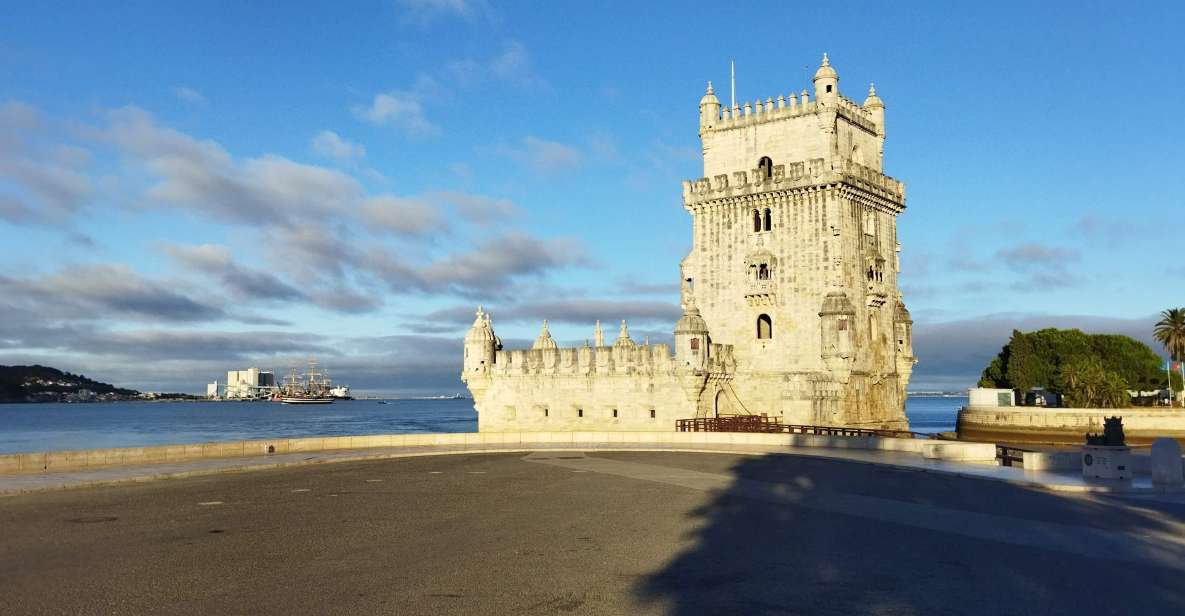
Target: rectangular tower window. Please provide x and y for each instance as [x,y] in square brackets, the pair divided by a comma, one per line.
[614,413]
[652,413]
[580,412]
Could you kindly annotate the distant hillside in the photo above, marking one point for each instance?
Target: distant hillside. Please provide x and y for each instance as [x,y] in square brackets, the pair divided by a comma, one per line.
[40,383]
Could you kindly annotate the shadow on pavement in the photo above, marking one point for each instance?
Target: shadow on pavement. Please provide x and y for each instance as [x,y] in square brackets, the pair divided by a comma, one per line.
[805,535]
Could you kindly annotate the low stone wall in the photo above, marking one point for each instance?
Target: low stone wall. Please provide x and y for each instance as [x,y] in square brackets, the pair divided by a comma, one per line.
[477,441]
[1066,426]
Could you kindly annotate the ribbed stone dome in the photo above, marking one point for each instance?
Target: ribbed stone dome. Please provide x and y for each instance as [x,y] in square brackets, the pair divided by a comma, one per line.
[544,341]
[873,100]
[826,70]
[710,97]
[836,302]
[691,322]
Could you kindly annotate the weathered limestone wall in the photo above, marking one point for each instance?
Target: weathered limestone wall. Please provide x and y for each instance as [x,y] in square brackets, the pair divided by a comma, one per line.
[1047,425]
[641,402]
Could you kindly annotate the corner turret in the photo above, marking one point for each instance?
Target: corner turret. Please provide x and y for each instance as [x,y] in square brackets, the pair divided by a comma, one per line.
[826,83]
[875,106]
[691,338]
[481,345]
[709,110]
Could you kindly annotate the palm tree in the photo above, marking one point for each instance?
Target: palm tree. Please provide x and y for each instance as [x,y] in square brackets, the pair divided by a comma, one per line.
[1170,331]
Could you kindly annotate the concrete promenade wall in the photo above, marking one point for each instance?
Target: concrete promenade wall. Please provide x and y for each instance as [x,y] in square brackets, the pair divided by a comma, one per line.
[1141,461]
[58,461]
[1050,425]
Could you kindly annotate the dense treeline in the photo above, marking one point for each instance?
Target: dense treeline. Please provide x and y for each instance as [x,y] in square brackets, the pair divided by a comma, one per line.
[1084,370]
[21,382]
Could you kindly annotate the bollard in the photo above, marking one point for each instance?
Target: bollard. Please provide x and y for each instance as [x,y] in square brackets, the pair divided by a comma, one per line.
[1166,463]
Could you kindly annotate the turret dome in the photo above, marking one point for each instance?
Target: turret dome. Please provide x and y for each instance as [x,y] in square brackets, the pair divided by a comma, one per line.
[691,322]
[902,315]
[623,339]
[482,331]
[544,341]
[873,100]
[826,71]
[710,97]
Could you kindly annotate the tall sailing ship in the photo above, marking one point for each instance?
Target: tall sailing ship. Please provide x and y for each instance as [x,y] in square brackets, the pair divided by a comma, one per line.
[313,387]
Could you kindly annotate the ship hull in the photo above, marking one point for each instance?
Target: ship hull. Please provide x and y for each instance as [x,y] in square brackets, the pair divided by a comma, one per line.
[295,400]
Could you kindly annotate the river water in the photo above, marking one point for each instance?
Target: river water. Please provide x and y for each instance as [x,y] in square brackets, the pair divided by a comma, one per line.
[57,427]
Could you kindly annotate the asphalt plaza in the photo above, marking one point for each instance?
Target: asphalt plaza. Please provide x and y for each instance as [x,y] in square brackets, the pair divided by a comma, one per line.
[589,533]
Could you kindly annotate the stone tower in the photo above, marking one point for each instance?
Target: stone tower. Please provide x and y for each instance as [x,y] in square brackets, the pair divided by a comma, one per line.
[794,258]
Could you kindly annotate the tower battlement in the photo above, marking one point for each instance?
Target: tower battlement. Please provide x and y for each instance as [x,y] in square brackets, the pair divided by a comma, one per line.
[791,176]
[771,109]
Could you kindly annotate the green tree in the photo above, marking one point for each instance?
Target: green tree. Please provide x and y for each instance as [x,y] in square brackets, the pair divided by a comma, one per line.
[1170,331]
[1086,369]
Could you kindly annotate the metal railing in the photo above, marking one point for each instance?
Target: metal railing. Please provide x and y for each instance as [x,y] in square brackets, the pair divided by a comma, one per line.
[1008,455]
[764,423]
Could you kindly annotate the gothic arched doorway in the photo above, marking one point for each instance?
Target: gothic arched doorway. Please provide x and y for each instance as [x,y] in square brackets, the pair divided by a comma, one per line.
[724,404]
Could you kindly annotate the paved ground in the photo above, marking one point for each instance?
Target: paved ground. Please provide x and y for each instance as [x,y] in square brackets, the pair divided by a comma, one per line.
[605,533]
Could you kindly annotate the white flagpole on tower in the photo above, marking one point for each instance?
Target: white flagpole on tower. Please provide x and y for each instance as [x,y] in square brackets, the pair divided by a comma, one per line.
[732,67]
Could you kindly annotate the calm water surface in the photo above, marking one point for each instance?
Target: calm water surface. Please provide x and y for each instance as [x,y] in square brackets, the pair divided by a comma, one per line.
[55,427]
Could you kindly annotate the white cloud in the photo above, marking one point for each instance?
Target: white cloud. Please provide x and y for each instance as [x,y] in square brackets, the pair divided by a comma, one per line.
[401,110]
[511,65]
[479,209]
[189,95]
[40,183]
[425,11]
[402,215]
[329,144]
[544,156]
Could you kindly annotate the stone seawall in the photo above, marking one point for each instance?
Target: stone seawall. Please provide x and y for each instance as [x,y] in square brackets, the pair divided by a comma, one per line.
[1066,426]
[480,442]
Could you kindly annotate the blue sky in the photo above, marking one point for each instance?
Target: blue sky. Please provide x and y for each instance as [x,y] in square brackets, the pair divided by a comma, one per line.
[191,187]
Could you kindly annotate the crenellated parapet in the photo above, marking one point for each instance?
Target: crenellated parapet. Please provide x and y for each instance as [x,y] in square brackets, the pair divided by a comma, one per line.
[585,361]
[771,110]
[792,176]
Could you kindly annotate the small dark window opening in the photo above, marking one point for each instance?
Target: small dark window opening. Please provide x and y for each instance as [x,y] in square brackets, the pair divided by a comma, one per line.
[765,168]
[695,345]
[580,412]
[765,327]
[843,325]
[756,220]
[763,272]
[615,413]
[545,412]
[828,88]
[652,413]
[768,220]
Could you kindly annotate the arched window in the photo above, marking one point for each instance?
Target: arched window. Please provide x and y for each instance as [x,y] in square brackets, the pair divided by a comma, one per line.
[765,327]
[756,220]
[695,345]
[768,220]
[765,168]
